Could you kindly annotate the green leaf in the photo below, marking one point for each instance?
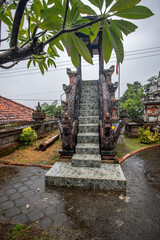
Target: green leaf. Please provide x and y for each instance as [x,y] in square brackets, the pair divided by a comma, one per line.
[81,21]
[123,4]
[95,29]
[108,3]
[41,67]
[29,63]
[51,23]
[74,14]
[44,5]
[85,9]
[50,2]
[96,3]
[45,66]
[49,12]
[117,30]
[82,49]
[125,26]
[73,50]
[117,44]
[137,12]
[106,45]
[12,6]
[85,31]
[5,19]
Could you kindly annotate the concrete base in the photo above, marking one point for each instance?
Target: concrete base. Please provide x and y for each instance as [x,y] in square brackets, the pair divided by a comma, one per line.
[107,177]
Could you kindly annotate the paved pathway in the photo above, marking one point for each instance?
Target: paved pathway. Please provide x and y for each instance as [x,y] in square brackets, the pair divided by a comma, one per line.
[87,214]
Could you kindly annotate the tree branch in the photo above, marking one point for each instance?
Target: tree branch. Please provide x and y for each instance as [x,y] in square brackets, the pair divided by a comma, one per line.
[10,66]
[4,39]
[18,54]
[16,23]
[1,2]
[65,16]
[72,29]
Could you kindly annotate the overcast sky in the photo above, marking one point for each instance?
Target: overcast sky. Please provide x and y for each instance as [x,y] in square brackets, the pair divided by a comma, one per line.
[22,83]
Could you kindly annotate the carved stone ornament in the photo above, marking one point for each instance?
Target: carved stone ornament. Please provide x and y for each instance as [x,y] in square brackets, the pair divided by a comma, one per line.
[67,139]
[107,134]
[38,114]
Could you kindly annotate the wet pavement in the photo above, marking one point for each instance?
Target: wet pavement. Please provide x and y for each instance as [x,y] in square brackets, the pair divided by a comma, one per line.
[86,214]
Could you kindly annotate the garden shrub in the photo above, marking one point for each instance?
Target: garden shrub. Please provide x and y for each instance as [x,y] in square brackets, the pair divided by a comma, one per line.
[28,136]
[146,136]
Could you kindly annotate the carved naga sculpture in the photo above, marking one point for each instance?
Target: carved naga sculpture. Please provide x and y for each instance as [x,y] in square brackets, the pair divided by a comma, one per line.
[69,126]
[108,133]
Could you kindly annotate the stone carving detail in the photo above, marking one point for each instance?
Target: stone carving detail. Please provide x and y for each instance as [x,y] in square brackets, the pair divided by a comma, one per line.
[68,133]
[38,114]
[68,127]
[152,104]
[108,134]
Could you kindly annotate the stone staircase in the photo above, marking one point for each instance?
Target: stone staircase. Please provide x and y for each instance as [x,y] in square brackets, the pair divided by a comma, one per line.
[85,169]
[87,149]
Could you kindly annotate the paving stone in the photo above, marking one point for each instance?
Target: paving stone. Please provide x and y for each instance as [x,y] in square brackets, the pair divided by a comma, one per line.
[28,183]
[11,191]
[12,212]
[24,209]
[41,204]
[28,193]
[4,198]
[23,189]
[6,205]
[35,215]
[34,198]
[19,219]
[17,185]
[20,202]
[45,223]
[50,211]
[15,196]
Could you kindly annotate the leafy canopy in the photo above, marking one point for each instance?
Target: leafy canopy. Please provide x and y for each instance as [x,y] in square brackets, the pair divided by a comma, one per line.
[50,109]
[38,29]
[131,100]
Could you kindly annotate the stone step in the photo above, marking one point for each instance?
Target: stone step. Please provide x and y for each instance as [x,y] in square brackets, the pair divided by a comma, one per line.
[89,89]
[87,148]
[89,101]
[107,177]
[90,106]
[88,137]
[88,128]
[89,95]
[90,83]
[89,112]
[86,160]
[89,119]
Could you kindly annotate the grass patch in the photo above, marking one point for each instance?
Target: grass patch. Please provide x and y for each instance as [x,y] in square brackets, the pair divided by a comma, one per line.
[28,154]
[131,144]
[22,232]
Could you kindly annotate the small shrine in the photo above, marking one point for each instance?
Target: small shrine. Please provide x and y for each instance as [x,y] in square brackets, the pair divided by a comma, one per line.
[152,105]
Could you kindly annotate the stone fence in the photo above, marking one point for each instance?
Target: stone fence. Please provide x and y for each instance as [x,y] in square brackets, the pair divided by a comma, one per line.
[9,136]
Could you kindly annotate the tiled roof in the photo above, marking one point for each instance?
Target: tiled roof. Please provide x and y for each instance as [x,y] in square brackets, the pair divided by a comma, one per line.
[11,111]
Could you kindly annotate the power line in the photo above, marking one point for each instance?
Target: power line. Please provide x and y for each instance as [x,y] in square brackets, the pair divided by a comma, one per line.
[68,61]
[32,100]
[37,93]
[83,66]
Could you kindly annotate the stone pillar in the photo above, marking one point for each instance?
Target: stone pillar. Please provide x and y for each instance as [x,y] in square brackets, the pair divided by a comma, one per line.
[39,116]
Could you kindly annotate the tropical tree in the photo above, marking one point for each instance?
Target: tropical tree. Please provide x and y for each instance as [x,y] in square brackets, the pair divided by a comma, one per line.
[152,80]
[50,109]
[38,28]
[131,100]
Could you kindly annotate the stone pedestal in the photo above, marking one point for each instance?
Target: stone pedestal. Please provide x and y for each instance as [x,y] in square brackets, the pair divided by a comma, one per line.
[106,177]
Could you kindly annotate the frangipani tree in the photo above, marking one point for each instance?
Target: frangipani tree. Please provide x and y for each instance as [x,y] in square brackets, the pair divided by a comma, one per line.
[38,28]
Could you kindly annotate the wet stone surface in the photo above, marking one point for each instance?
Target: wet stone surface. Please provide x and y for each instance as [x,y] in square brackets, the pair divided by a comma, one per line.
[86,214]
